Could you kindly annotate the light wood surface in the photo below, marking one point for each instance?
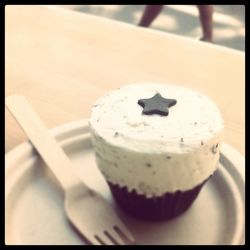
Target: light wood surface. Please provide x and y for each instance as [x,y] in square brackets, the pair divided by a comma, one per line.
[62,61]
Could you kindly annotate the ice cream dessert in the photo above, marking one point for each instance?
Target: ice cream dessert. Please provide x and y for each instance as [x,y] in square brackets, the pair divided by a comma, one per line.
[156,145]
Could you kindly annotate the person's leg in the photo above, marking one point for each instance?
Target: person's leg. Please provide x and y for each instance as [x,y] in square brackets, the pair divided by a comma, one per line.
[206,19]
[149,14]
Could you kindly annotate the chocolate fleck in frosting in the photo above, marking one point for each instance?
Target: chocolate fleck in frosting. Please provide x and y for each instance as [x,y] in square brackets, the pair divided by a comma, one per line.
[153,154]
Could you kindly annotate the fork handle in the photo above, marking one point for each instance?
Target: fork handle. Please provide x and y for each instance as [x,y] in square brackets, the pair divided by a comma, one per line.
[45,144]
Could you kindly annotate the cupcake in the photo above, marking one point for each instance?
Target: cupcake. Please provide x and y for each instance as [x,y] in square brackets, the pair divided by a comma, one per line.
[156,145]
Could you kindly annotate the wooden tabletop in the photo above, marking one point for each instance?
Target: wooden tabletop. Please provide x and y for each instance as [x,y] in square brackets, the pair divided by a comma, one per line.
[62,61]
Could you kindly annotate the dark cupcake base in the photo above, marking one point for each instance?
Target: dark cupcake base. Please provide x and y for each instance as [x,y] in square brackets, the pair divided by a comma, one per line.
[160,208]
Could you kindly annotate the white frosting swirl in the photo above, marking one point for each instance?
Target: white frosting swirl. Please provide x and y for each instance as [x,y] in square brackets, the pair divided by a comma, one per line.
[154,154]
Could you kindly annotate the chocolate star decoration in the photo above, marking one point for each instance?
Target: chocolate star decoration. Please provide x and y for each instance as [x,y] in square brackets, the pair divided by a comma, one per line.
[156,105]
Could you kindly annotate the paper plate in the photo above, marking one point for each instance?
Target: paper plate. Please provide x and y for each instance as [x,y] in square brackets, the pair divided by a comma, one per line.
[34,201]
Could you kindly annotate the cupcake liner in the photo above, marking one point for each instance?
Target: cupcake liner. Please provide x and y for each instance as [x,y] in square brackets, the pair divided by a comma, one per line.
[160,208]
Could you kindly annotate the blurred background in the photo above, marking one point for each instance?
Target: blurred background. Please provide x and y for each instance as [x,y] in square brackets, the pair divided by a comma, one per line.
[228,20]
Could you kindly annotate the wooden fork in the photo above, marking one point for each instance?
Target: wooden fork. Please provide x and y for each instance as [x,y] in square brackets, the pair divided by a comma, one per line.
[87,210]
